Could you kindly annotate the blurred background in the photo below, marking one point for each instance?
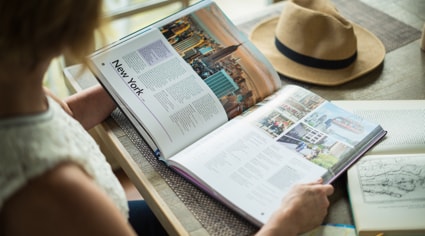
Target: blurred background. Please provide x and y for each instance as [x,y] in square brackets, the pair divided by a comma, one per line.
[128,16]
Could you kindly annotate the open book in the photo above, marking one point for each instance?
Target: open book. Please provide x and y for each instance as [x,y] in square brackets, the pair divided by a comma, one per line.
[211,106]
[387,186]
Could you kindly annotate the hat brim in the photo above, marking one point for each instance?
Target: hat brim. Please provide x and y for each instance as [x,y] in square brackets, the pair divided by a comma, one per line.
[370,54]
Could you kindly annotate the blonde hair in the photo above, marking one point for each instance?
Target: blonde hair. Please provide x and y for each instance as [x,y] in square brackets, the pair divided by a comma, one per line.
[33,30]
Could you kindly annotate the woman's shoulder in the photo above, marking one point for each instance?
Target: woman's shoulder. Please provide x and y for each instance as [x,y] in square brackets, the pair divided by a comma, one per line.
[59,200]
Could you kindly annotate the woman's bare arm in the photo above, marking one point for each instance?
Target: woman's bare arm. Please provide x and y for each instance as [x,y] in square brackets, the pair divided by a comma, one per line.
[64,201]
[90,106]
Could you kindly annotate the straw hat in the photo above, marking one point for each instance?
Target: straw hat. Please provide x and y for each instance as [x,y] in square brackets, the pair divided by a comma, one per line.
[312,42]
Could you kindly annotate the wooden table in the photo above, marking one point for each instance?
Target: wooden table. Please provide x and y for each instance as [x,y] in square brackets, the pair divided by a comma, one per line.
[402,76]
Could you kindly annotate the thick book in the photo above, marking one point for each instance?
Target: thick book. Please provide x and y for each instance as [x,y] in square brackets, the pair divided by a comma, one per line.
[211,106]
[387,186]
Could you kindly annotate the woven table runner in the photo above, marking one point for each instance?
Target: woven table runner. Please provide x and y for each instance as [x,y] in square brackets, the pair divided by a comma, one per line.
[392,32]
[215,217]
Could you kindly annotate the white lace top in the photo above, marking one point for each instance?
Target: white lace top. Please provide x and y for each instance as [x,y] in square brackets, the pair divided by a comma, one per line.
[31,145]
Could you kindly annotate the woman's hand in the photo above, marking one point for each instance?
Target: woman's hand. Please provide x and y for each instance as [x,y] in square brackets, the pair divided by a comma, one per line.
[303,208]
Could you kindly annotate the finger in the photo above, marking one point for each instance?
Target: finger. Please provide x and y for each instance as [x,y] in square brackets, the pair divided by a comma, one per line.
[329,189]
[319,181]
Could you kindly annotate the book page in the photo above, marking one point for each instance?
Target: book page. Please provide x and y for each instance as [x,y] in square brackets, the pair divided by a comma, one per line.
[321,132]
[403,119]
[234,69]
[168,68]
[247,170]
[292,137]
[387,193]
[161,90]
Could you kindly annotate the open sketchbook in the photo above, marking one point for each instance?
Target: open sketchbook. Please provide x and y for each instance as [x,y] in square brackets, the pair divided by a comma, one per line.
[387,186]
[210,105]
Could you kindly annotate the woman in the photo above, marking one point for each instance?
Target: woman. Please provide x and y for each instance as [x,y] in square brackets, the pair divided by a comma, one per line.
[53,178]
